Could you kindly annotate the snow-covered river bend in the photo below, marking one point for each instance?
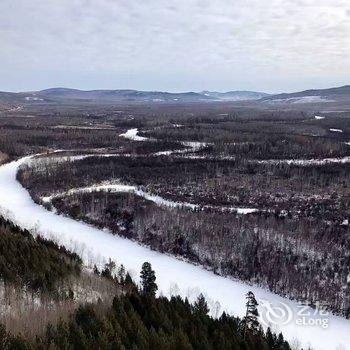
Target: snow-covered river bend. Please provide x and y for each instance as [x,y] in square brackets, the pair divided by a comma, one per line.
[322,332]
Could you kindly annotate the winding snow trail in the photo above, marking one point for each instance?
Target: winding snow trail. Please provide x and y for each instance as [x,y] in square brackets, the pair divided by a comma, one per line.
[304,162]
[132,134]
[173,275]
[161,201]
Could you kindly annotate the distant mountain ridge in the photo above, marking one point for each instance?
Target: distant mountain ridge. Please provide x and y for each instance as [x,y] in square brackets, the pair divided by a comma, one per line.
[120,95]
[236,95]
[59,94]
[337,94]
[127,95]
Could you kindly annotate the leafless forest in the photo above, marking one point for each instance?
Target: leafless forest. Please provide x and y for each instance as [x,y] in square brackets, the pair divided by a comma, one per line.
[284,164]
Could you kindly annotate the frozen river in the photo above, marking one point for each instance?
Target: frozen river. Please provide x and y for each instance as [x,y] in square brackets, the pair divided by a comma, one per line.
[323,332]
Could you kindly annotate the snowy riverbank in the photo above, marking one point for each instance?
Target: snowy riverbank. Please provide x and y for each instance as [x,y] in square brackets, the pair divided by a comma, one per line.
[120,188]
[173,276]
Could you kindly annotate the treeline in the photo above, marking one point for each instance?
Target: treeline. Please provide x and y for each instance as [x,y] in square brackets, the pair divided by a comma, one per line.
[139,321]
[36,263]
[257,139]
[317,191]
[281,147]
[21,141]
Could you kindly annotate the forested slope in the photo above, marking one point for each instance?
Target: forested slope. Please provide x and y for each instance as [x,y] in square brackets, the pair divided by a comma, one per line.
[141,322]
[135,320]
[35,263]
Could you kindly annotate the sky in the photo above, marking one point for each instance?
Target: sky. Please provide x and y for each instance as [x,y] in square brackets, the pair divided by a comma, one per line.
[183,45]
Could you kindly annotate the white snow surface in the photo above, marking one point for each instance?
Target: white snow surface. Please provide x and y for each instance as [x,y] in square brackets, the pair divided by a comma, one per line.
[115,188]
[195,144]
[302,99]
[173,275]
[31,98]
[311,99]
[131,134]
[305,162]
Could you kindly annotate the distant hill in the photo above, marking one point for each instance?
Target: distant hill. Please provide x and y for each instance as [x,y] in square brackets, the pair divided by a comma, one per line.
[338,94]
[110,96]
[10,97]
[121,95]
[235,95]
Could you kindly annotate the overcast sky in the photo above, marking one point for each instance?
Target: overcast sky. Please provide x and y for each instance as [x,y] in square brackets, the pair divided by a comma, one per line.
[182,45]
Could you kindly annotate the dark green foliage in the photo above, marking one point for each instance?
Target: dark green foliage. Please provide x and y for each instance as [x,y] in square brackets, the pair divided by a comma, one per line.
[275,342]
[36,263]
[148,279]
[251,322]
[201,306]
[138,321]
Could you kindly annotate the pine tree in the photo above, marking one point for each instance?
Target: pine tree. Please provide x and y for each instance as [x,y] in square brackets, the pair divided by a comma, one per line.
[96,270]
[251,321]
[110,265]
[201,306]
[270,338]
[121,274]
[148,278]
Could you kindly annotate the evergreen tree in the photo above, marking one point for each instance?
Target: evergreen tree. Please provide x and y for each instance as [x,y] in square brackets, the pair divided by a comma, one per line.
[96,270]
[270,338]
[110,265]
[251,321]
[148,278]
[138,321]
[281,344]
[201,306]
[121,274]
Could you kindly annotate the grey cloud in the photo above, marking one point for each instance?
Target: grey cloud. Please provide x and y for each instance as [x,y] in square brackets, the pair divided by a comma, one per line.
[189,41]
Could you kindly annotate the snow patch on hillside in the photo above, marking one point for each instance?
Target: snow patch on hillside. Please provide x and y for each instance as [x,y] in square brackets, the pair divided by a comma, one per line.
[131,134]
[33,98]
[302,99]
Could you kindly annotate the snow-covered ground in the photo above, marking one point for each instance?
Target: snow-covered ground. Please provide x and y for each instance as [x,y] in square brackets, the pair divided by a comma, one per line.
[173,275]
[31,98]
[131,134]
[195,145]
[304,162]
[115,188]
[302,99]
[15,109]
